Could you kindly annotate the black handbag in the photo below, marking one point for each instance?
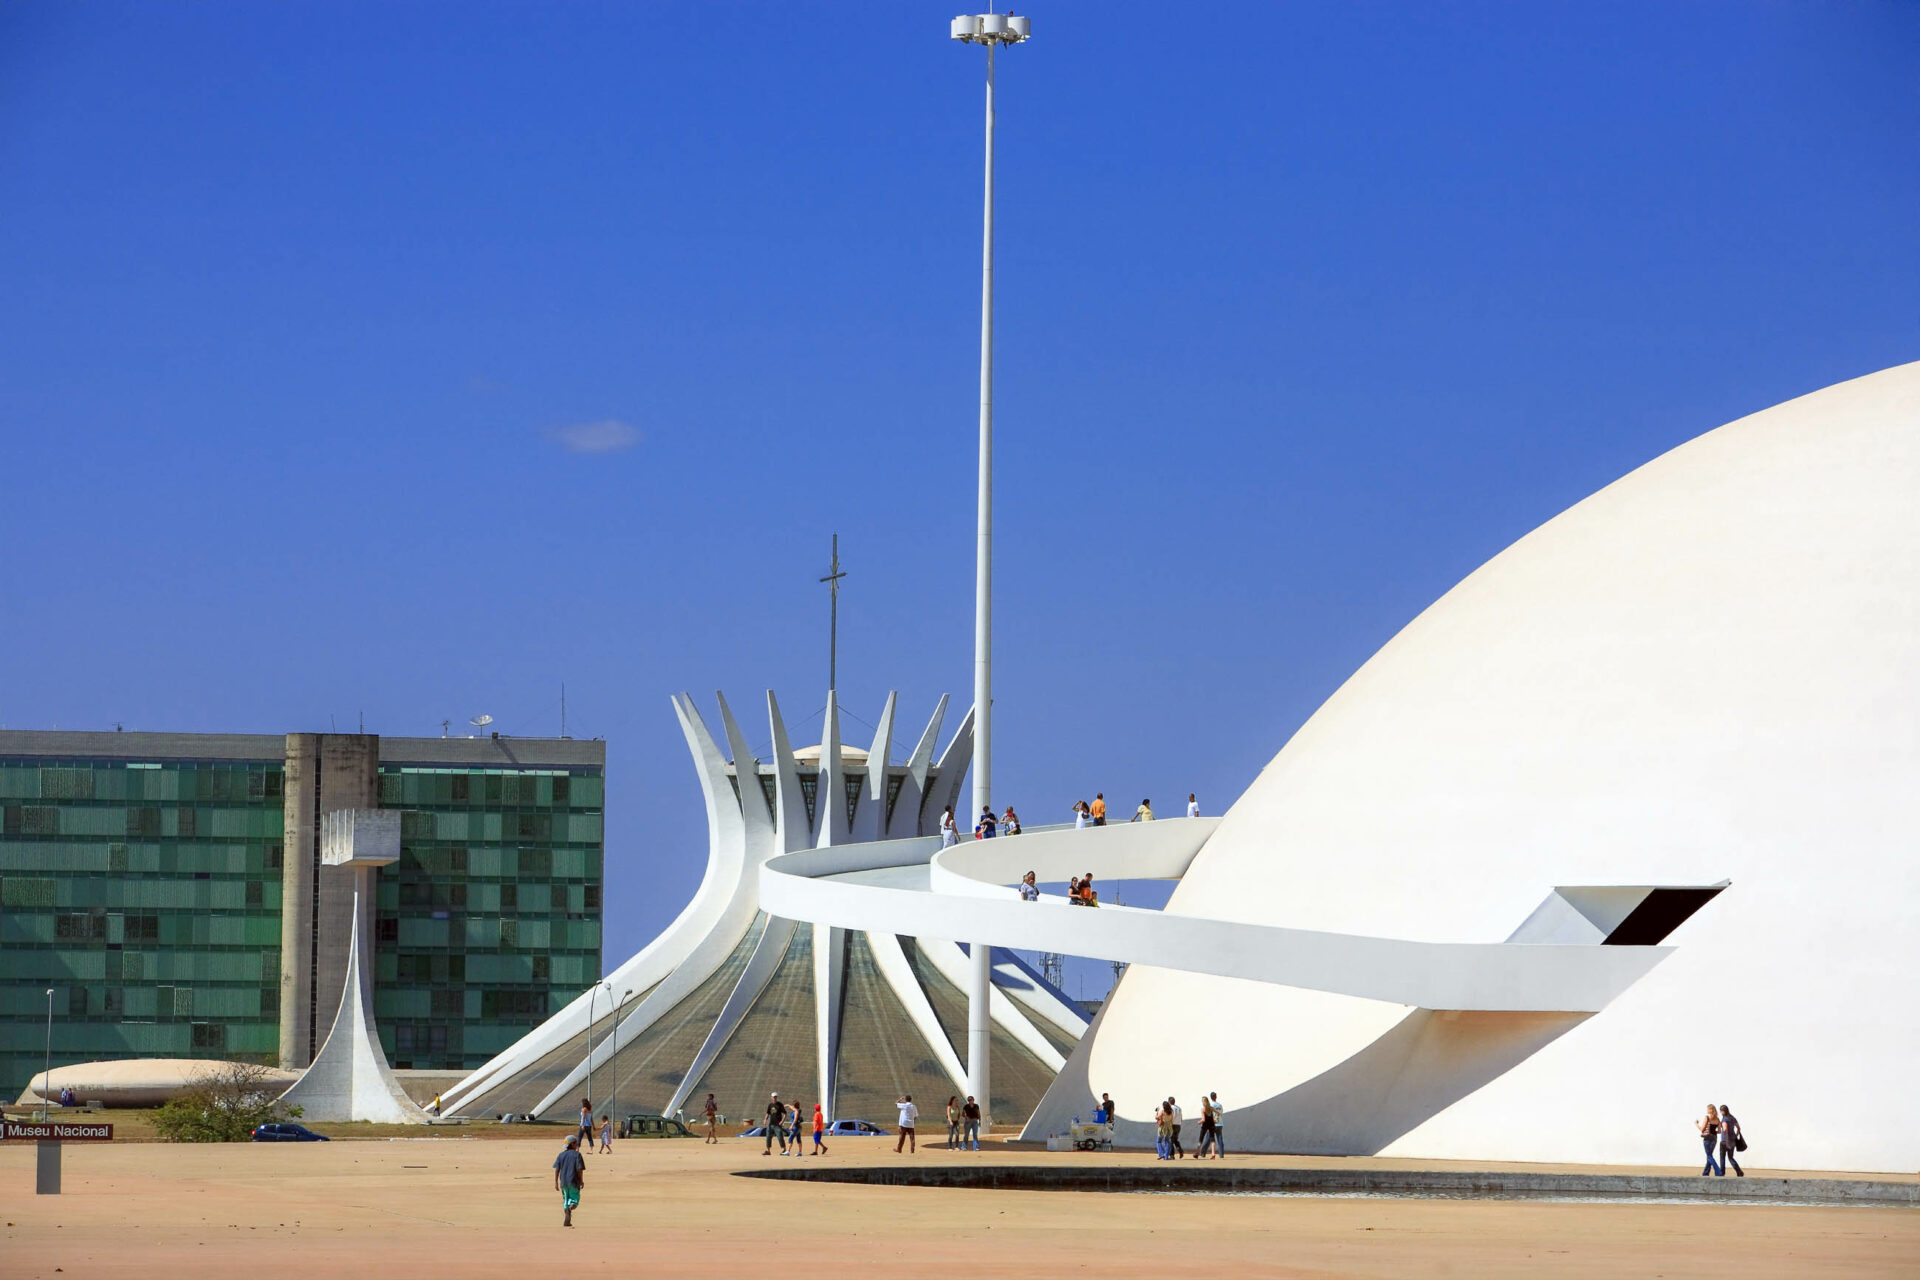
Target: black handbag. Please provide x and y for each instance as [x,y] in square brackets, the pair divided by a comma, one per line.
[1739,1142]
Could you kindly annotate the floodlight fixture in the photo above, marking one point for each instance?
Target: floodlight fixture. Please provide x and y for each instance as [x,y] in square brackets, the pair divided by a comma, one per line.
[992,28]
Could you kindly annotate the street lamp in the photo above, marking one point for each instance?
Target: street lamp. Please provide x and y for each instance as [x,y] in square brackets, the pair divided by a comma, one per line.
[593,992]
[46,1067]
[991,30]
[613,1101]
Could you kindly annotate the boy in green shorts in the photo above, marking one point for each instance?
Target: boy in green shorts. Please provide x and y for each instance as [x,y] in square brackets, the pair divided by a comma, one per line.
[569,1175]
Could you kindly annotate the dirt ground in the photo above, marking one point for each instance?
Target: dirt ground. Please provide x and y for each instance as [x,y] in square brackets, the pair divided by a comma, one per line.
[451,1206]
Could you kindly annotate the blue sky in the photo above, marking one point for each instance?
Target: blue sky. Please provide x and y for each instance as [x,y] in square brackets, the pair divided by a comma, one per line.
[414,359]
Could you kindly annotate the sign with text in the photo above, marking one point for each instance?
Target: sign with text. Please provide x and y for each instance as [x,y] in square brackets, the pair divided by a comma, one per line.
[59,1131]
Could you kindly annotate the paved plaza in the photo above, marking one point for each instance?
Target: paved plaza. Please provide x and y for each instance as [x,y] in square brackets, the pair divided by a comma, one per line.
[459,1207]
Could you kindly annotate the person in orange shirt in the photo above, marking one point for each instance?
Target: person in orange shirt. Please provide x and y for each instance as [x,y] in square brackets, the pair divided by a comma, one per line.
[819,1130]
[1099,809]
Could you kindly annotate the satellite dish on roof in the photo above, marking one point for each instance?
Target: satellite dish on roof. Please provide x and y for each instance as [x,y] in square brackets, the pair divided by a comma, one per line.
[480,722]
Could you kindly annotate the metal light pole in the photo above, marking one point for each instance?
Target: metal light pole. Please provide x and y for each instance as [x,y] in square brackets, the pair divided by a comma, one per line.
[613,1100]
[46,1067]
[991,30]
[592,993]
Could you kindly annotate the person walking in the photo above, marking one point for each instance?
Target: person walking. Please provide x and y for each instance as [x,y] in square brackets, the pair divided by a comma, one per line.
[1144,813]
[1098,809]
[1710,1138]
[793,1130]
[1081,815]
[949,830]
[1206,1128]
[1010,822]
[1173,1109]
[819,1130]
[586,1124]
[1219,1127]
[1163,1129]
[606,1135]
[908,1114]
[985,829]
[712,1111]
[1731,1140]
[1193,806]
[569,1176]
[970,1119]
[776,1125]
[953,1122]
[1029,891]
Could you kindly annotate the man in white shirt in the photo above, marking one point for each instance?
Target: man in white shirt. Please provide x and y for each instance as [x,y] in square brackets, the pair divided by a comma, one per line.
[1219,1127]
[1193,806]
[908,1114]
[1178,1151]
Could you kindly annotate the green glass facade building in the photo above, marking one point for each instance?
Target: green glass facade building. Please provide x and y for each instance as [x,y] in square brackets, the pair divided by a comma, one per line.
[167,889]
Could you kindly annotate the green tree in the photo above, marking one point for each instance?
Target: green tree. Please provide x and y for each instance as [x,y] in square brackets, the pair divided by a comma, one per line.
[225,1104]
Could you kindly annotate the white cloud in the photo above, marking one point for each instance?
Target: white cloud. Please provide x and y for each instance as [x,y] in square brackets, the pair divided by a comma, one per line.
[609,435]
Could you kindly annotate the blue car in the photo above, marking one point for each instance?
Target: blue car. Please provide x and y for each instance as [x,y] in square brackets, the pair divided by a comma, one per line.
[287,1133]
[838,1129]
[856,1129]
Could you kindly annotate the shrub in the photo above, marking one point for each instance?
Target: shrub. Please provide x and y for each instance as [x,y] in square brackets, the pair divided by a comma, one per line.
[225,1104]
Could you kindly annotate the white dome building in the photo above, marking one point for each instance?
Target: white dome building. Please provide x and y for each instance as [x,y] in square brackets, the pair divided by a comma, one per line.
[1709,669]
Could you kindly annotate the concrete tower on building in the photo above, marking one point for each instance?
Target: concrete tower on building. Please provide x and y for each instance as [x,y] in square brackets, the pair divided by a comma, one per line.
[325,773]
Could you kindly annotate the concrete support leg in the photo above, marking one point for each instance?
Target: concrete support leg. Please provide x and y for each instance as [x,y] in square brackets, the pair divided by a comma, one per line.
[980,1028]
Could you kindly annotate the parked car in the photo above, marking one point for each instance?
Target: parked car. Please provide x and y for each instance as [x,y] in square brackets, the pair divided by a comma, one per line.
[856,1129]
[649,1126]
[838,1129]
[287,1133]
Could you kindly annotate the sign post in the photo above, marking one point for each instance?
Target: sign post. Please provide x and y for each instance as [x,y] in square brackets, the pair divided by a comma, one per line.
[49,1137]
[46,1170]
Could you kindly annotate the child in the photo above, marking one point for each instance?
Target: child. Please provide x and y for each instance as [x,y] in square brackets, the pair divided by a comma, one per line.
[569,1175]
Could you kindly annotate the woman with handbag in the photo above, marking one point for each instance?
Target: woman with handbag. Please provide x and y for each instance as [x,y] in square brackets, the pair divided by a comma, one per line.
[1731,1140]
[1710,1138]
